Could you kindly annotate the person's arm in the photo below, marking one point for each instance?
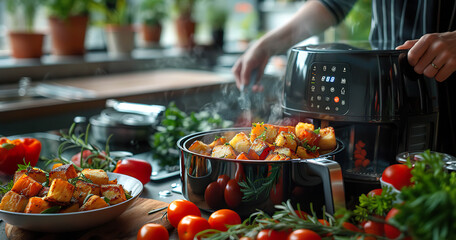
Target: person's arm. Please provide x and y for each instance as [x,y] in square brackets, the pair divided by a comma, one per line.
[433,55]
[312,18]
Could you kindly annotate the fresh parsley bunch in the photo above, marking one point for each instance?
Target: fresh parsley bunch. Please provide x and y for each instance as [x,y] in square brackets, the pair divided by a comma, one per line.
[177,124]
[429,208]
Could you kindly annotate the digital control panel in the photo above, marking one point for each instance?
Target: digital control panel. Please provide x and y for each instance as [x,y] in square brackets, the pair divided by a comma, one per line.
[328,88]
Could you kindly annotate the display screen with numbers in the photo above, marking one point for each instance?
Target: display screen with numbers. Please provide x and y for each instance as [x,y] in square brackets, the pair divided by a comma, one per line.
[328,90]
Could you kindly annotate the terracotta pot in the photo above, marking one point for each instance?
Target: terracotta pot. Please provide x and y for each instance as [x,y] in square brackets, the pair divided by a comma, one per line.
[68,35]
[26,45]
[151,34]
[120,40]
[185,27]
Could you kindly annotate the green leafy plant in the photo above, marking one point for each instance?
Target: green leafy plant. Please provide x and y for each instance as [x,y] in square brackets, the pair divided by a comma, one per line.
[23,11]
[176,124]
[374,205]
[152,12]
[117,12]
[183,7]
[428,208]
[217,14]
[66,8]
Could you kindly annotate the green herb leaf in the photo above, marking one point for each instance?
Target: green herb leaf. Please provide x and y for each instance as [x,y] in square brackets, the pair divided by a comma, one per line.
[54,209]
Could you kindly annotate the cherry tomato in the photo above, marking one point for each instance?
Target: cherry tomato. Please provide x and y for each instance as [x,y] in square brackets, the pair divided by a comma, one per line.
[233,194]
[180,208]
[190,225]
[324,222]
[375,192]
[86,155]
[351,227]
[152,231]
[269,234]
[304,234]
[219,219]
[213,195]
[222,180]
[137,168]
[373,227]
[398,175]
[391,231]
[301,214]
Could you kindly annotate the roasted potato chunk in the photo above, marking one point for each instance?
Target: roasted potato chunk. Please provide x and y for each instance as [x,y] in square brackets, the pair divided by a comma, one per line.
[13,202]
[240,142]
[72,208]
[267,132]
[94,202]
[284,151]
[35,173]
[64,172]
[276,157]
[259,149]
[201,148]
[60,192]
[327,141]
[302,153]
[82,189]
[97,176]
[218,141]
[27,186]
[114,192]
[37,205]
[286,139]
[224,151]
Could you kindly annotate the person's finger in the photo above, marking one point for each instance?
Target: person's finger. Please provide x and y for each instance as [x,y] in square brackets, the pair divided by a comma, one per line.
[407,45]
[445,71]
[237,73]
[419,49]
[246,72]
[431,70]
[425,63]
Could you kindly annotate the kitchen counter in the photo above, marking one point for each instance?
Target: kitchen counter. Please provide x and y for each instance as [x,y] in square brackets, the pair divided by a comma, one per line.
[86,96]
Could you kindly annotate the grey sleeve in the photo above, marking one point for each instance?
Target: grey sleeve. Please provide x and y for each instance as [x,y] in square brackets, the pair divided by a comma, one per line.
[339,8]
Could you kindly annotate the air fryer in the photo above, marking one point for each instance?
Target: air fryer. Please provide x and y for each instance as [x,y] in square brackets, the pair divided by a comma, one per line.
[377,104]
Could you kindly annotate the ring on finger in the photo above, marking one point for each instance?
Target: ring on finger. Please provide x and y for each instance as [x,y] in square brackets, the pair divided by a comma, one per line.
[434,66]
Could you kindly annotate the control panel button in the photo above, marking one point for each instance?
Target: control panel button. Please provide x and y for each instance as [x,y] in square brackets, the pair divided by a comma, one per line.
[327,87]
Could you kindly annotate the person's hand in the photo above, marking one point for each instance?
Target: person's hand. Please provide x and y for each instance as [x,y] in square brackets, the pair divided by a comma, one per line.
[250,66]
[433,55]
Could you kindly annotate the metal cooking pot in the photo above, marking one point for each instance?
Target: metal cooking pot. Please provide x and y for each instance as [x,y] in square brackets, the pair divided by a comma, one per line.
[263,183]
[126,122]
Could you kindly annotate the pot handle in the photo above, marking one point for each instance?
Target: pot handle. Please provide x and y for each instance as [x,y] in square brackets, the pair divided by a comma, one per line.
[333,185]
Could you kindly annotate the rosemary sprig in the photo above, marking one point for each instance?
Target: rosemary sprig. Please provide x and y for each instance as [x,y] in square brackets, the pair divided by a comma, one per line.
[284,219]
[99,159]
[252,190]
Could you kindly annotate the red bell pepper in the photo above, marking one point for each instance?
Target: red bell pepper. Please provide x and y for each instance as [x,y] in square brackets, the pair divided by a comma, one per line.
[137,168]
[18,151]
[32,150]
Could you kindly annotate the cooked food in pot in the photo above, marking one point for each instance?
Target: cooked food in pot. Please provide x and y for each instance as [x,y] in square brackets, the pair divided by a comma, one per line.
[65,190]
[271,143]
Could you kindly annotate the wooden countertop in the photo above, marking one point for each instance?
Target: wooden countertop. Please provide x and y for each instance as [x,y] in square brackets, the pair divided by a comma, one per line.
[100,88]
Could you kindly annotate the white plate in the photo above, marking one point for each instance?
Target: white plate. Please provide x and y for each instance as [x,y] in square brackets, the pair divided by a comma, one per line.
[67,222]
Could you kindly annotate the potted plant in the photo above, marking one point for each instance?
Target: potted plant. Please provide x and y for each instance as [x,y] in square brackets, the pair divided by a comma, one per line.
[217,15]
[151,14]
[68,25]
[25,42]
[184,22]
[117,21]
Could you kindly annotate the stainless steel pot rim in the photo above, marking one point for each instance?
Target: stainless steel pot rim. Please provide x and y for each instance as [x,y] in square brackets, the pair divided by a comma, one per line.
[109,118]
[186,140]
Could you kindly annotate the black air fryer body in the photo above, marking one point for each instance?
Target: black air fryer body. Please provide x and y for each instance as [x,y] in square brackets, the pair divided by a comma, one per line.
[377,104]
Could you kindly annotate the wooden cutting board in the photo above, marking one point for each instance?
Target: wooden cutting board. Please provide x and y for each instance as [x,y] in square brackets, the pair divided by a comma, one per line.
[125,226]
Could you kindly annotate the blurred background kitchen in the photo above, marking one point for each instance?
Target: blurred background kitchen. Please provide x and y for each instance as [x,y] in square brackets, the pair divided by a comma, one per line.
[153,52]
